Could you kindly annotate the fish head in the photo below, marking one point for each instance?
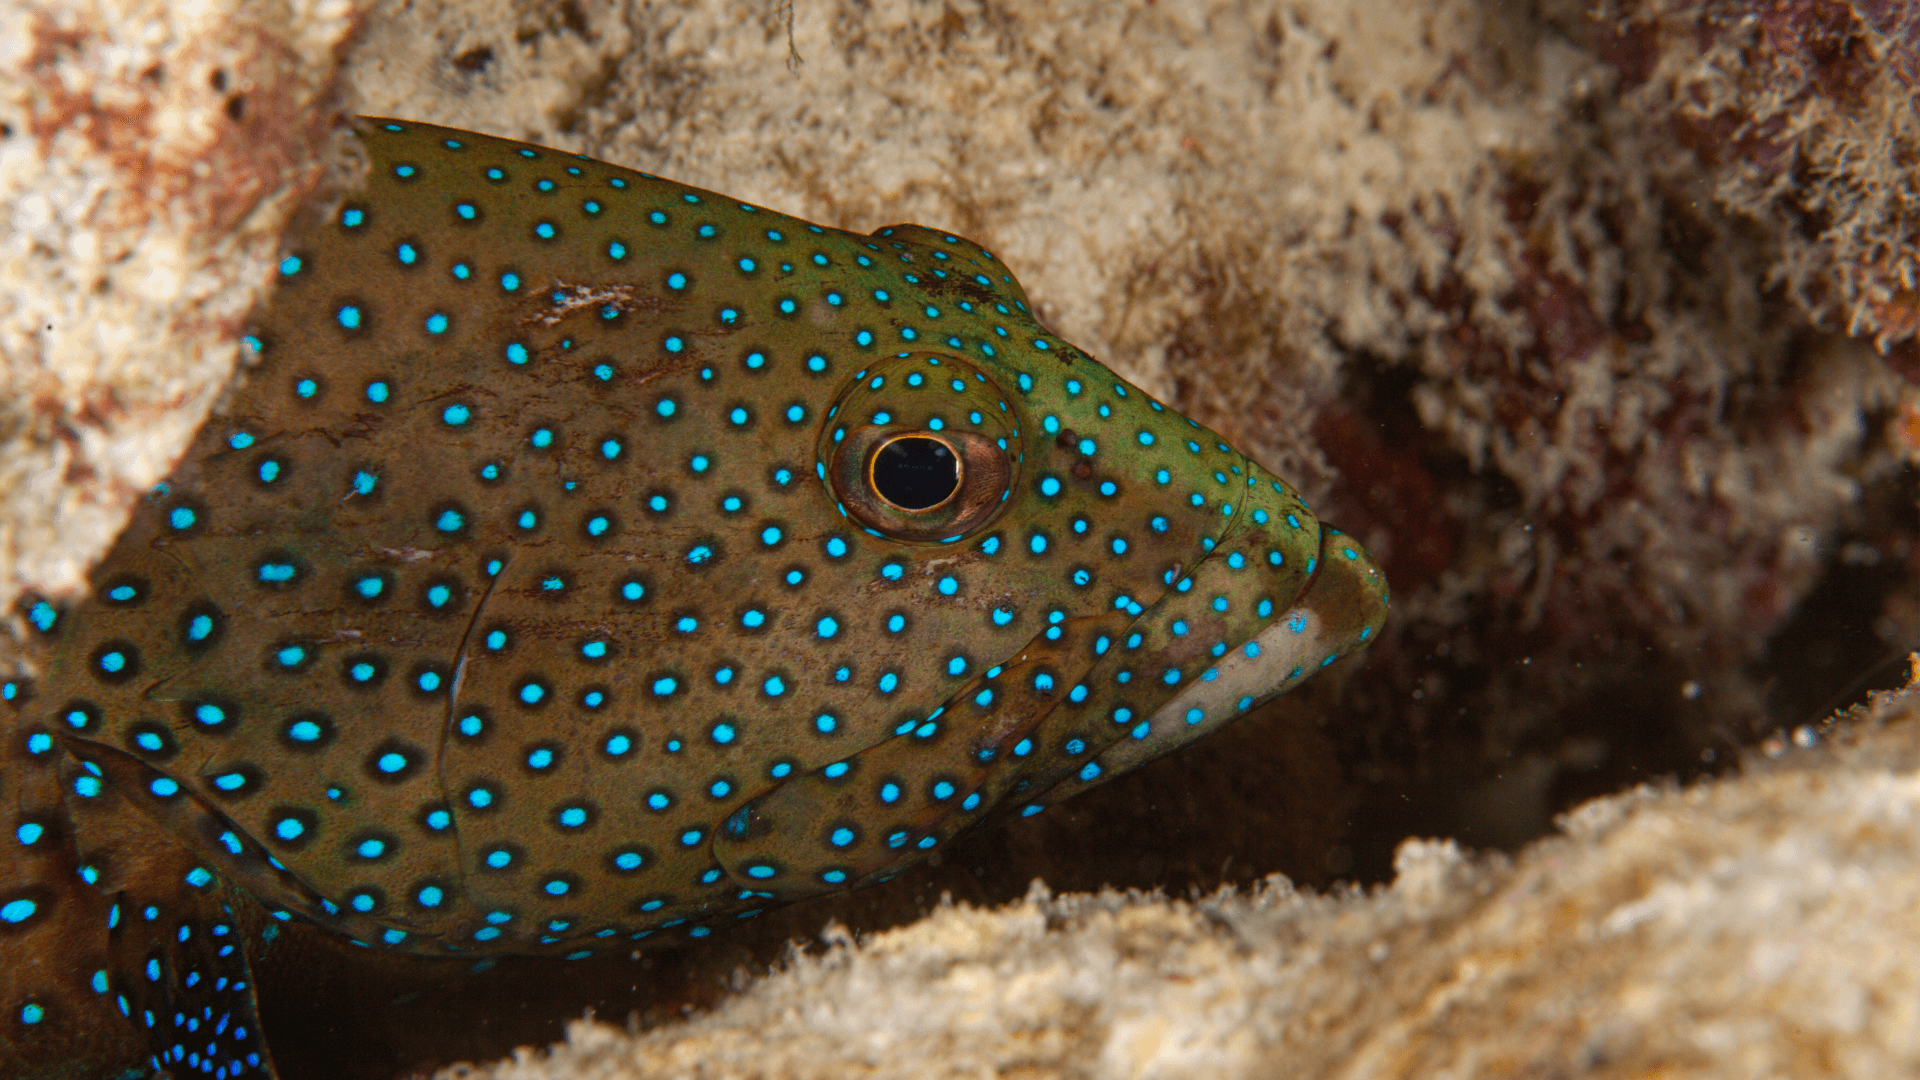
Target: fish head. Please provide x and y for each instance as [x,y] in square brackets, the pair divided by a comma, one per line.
[1103,578]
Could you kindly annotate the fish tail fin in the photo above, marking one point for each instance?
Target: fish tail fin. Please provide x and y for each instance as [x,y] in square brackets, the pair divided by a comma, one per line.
[176,935]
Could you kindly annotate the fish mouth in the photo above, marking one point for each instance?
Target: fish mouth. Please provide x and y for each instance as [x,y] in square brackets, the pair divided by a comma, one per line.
[1279,596]
[1339,611]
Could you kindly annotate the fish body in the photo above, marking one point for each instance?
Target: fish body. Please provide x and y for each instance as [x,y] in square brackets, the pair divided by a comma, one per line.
[592,560]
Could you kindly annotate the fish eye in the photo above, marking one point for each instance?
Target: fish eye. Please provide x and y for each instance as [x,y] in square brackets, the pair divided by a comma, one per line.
[918,484]
[915,473]
[903,460]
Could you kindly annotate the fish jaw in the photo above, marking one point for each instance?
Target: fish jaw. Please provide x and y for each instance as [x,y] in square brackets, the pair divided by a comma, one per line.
[1337,615]
[1278,597]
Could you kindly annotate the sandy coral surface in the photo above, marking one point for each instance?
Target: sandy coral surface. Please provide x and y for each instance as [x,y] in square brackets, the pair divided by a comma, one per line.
[150,155]
[1753,926]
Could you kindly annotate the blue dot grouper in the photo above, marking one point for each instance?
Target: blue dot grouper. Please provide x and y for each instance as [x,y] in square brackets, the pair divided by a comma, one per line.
[590,560]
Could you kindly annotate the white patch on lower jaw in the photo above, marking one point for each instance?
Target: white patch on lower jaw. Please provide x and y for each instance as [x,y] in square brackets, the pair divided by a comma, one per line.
[1297,641]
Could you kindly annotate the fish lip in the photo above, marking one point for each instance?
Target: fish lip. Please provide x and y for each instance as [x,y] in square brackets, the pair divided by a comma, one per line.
[1335,612]
[1225,679]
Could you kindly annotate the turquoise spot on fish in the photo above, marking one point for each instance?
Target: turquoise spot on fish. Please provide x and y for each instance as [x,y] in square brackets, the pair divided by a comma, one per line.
[591,559]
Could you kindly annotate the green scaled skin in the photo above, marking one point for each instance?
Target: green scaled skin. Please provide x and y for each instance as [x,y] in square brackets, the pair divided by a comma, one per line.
[593,559]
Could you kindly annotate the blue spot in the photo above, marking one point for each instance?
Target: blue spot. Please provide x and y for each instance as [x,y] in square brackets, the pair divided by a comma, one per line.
[16,911]
[43,615]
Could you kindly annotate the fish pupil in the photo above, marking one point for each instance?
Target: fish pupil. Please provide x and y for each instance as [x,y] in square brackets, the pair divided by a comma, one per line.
[915,472]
